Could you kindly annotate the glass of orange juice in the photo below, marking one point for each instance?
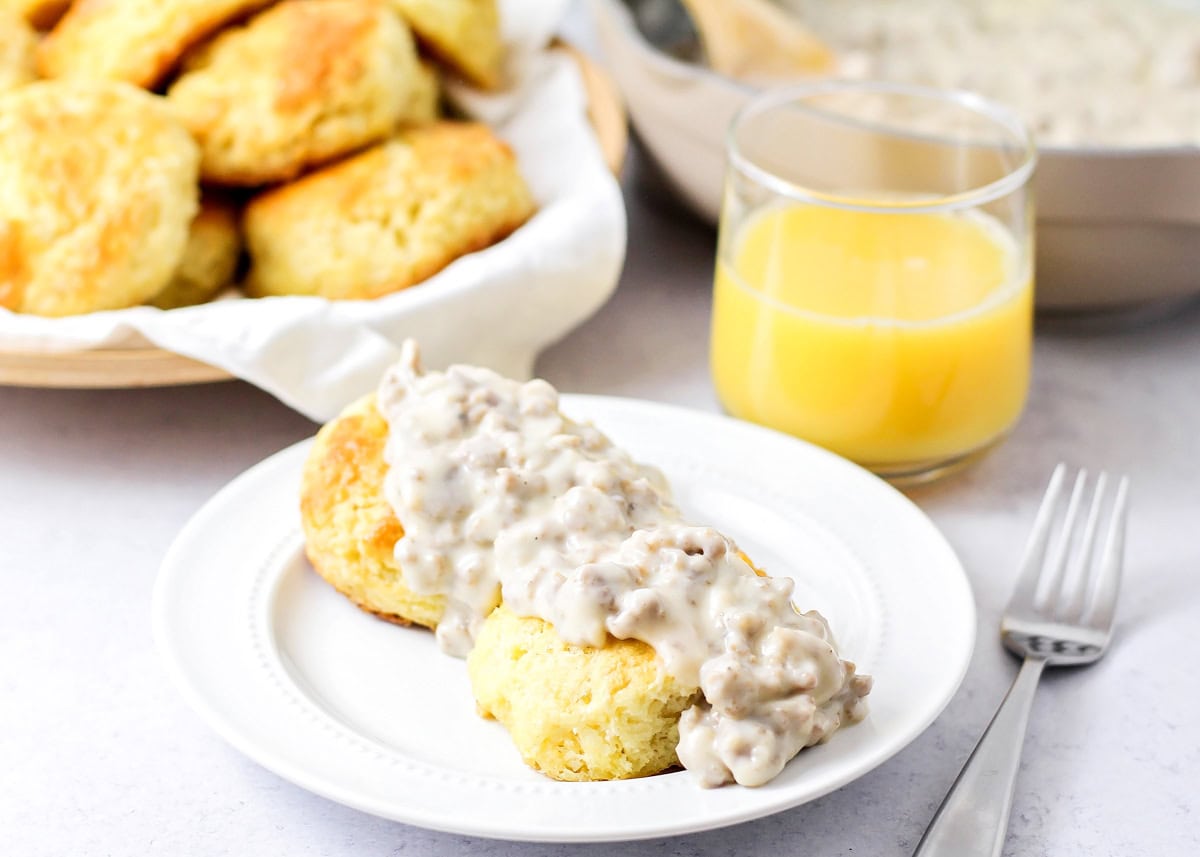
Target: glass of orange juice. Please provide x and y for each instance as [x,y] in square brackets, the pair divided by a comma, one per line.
[874,281]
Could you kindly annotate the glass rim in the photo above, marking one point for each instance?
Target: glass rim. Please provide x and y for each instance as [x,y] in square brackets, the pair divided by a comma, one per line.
[1002,116]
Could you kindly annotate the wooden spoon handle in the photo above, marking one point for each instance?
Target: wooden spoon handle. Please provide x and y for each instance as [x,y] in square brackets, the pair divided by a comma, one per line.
[754,39]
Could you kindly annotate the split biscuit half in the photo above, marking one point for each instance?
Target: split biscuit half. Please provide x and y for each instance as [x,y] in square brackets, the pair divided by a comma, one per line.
[574,712]
[578,713]
[350,530]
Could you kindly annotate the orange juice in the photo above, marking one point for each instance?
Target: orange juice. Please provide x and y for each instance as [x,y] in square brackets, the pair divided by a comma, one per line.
[886,337]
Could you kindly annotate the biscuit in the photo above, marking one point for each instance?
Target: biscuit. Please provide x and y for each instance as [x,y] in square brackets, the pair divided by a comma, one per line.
[576,712]
[17,43]
[350,530]
[42,14]
[425,103]
[387,218]
[209,259]
[300,84]
[465,34]
[137,41]
[97,188]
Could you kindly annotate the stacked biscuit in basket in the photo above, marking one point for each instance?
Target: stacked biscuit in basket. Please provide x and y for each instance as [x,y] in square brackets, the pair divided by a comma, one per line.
[145,145]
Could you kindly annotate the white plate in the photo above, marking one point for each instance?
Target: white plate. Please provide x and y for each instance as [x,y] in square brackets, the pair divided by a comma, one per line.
[375,717]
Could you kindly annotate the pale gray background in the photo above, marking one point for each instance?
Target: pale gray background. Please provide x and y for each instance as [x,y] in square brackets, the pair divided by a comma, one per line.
[100,756]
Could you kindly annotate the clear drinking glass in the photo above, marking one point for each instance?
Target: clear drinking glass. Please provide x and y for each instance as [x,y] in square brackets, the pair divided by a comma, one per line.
[874,282]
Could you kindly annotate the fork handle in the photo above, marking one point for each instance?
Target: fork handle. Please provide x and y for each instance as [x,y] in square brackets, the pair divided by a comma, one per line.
[973,819]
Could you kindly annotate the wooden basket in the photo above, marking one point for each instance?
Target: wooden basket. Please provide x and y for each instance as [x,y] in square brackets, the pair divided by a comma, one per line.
[112,368]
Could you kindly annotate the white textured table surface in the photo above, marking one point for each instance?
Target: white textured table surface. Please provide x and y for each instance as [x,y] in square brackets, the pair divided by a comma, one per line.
[99,756]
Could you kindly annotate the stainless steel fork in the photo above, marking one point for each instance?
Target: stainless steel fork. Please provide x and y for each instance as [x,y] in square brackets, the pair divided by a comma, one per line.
[1060,614]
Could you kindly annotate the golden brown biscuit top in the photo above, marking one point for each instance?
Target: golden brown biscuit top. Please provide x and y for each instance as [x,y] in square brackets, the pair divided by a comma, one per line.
[52,133]
[300,84]
[138,41]
[388,218]
[443,150]
[101,166]
[306,41]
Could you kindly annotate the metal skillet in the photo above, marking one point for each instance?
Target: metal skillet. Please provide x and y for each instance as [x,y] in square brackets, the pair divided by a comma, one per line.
[1117,227]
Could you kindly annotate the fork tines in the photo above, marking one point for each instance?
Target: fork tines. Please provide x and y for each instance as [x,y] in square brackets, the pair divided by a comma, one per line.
[1059,581]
